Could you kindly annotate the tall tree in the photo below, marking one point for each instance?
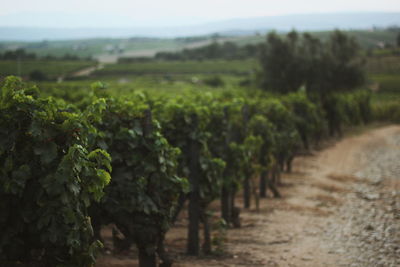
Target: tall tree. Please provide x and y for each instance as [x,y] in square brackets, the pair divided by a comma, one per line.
[291,62]
[281,63]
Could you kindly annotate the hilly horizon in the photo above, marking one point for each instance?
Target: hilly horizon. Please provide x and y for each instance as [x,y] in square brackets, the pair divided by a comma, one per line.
[237,26]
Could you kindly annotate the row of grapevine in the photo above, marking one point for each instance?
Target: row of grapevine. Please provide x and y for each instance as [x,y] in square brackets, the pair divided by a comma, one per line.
[48,178]
[162,151]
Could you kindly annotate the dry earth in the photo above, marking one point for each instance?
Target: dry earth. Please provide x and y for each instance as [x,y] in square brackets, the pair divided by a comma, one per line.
[340,207]
[87,71]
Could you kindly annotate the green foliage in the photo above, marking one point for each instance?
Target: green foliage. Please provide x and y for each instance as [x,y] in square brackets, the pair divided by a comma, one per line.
[17,54]
[359,107]
[387,83]
[227,50]
[144,187]
[286,136]
[282,63]
[366,38]
[307,117]
[347,109]
[220,238]
[95,46]
[179,67]
[383,65]
[398,40]
[48,179]
[52,69]
[323,68]
[154,137]
[214,81]
[37,75]
[345,67]
[261,127]
[387,111]
[185,121]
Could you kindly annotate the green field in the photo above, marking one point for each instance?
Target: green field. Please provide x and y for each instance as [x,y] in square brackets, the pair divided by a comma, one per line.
[383,65]
[181,67]
[94,47]
[176,85]
[52,69]
[384,74]
[387,83]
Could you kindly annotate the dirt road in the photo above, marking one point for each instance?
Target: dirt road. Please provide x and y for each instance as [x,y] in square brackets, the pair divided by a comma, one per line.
[340,207]
[87,71]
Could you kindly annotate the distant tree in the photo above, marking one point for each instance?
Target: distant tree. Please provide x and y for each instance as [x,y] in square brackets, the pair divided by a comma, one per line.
[229,50]
[49,57]
[215,50]
[321,68]
[295,61]
[17,54]
[68,56]
[215,37]
[37,75]
[281,63]
[342,64]
[250,50]
[398,40]
[212,50]
[214,81]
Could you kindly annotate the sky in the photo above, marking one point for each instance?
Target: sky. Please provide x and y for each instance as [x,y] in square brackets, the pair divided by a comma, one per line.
[114,13]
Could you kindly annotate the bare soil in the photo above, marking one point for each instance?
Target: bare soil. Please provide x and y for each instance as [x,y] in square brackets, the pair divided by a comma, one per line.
[340,207]
[87,71]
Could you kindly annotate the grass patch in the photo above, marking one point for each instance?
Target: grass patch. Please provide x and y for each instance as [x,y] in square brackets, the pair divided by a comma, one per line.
[180,67]
[387,83]
[52,69]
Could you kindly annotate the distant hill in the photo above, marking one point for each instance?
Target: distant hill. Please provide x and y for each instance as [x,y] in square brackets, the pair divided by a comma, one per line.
[243,26]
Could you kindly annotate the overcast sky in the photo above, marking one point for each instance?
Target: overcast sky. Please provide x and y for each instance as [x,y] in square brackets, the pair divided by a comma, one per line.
[168,12]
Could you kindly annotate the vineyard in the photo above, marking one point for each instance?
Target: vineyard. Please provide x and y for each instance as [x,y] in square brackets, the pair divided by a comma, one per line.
[161,151]
[181,67]
[51,69]
[82,158]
